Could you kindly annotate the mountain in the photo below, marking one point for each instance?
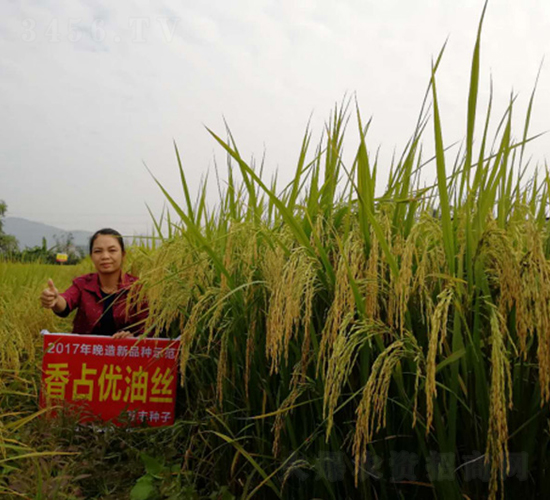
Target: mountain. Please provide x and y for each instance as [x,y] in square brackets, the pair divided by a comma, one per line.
[30,233]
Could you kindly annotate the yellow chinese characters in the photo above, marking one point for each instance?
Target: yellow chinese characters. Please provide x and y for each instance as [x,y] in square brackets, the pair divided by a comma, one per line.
[108,381]
[161,392]
[137,385]
[56,380]
[111,382]
[86,383]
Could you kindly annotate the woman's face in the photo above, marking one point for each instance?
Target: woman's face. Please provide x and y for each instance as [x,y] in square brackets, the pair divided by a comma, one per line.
[107,254]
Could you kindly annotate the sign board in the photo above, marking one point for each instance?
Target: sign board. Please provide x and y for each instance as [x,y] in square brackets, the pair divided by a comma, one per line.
[111,379]
[61,257]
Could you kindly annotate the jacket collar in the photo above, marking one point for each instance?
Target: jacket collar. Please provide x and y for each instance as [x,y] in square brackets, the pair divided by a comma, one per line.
[92,283]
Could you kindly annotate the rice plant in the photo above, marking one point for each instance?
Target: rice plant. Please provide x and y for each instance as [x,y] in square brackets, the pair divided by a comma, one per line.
[339,343]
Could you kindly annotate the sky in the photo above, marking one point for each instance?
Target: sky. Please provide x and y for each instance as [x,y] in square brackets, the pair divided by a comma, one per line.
[92,91]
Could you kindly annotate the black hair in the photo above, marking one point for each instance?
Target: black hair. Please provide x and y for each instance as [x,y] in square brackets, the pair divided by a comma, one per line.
[107,231]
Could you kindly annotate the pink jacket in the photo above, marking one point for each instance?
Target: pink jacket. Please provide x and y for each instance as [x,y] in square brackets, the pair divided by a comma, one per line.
[85,294]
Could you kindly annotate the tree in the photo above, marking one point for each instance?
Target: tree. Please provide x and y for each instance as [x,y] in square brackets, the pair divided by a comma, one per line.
[65,244]
[8,243]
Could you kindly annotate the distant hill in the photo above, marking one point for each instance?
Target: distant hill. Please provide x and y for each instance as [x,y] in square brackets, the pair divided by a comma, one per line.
[30,233]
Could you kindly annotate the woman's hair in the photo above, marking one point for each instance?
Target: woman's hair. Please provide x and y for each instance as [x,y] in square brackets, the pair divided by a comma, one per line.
[107,231]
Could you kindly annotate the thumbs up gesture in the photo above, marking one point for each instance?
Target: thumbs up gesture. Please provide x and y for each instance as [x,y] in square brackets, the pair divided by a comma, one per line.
[49,296]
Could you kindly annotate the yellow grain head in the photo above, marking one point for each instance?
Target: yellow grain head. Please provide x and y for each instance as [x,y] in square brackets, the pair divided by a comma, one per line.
[284,411]
[189,330]
[250,348]
[350,261]
[290,282]
[349,341]
[371,412]
[496,452]
[372,308]
[222,368]
[436,337]
[534,317]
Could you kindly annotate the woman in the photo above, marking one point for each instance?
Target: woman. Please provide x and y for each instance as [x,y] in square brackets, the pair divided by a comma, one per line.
[101,297]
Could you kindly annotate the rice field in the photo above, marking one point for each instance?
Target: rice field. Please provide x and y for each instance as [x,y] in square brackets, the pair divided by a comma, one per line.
[336,342]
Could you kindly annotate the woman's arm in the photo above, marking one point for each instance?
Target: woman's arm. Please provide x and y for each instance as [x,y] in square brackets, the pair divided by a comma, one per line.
[51,299]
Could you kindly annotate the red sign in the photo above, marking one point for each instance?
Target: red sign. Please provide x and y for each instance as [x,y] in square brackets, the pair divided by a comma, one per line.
[108,378]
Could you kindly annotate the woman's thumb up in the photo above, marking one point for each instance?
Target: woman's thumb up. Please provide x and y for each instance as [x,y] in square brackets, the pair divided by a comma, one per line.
[48,298]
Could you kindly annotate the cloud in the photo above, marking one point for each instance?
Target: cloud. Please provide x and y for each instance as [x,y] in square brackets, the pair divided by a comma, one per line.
[189,23]
[98,9]
[96,107]
[89,38]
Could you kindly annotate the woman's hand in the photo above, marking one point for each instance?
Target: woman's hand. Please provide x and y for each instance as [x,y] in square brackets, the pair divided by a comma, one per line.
[49,296]
[123,335]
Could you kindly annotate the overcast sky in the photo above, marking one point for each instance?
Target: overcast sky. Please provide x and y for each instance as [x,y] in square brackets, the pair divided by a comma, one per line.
[89,90]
